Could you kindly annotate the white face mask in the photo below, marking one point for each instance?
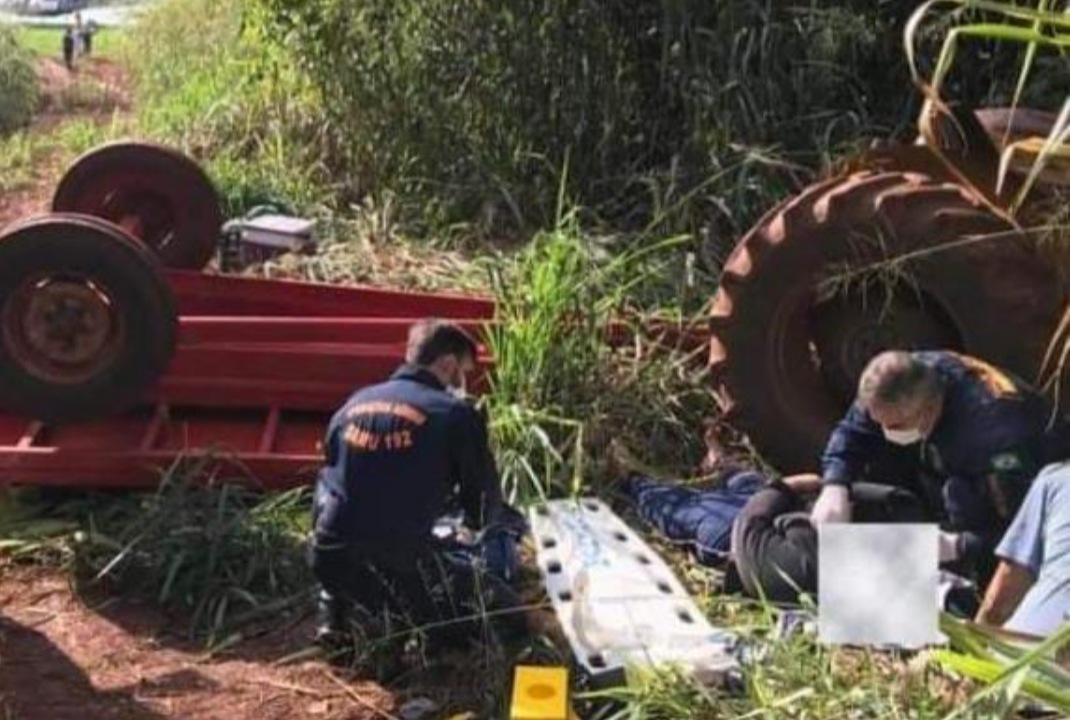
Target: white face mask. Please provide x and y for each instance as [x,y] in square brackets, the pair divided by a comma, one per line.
[902,437]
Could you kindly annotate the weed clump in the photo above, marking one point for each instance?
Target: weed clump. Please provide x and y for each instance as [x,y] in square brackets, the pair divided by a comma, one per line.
[18,83]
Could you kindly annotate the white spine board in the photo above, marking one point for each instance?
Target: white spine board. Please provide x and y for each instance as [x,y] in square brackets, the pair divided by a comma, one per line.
[619,604]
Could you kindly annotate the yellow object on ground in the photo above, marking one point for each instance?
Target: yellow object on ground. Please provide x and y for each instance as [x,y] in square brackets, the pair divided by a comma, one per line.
[540,693]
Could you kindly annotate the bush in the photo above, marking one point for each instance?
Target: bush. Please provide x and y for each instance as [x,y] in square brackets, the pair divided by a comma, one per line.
[18,83]
[662,111]
[207,81]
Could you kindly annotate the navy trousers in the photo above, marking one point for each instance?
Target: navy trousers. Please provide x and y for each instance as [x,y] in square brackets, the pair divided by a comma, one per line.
[699,519]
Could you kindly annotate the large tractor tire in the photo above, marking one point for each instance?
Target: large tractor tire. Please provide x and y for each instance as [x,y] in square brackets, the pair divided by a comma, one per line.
[856,265]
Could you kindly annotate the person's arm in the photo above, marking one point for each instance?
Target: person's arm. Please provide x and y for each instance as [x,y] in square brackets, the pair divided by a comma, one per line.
[1009,585]
[476,472]
[804,484]
[851,446]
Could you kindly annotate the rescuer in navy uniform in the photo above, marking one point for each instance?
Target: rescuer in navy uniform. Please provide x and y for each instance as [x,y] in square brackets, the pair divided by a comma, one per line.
[966,437]
[396,455]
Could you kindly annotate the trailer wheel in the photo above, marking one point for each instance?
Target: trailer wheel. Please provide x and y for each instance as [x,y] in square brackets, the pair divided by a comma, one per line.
[87,321]
[155,193]
[797,317]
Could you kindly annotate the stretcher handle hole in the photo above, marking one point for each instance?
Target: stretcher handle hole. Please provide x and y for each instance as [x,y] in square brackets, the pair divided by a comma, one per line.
[620,536]
[596,660]
[554,567]
[664,587]
[643,559]
[548,543]
[564,596]
[592,506]
[685,617]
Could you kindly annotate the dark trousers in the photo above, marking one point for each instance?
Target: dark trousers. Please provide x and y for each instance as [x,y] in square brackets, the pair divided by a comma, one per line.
[970,511]
[700,519]
[438,591]
[959,505]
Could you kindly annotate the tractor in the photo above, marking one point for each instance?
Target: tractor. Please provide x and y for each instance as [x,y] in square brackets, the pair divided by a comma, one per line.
[937,244]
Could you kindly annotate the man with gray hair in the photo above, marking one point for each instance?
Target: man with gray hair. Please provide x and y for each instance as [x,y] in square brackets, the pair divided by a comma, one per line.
[972,436]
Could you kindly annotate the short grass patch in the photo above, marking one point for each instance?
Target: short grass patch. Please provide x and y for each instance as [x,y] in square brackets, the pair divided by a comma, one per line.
[47,41]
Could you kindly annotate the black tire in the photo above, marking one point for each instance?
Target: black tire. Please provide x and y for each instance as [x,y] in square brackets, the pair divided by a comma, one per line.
[994,299]
[142,329]
[177,206]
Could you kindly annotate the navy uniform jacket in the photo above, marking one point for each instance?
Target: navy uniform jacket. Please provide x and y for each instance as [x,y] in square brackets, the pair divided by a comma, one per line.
[395,453]
[995,431]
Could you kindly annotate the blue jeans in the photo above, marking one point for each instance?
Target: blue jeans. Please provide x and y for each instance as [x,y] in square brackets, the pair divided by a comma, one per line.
[701,519]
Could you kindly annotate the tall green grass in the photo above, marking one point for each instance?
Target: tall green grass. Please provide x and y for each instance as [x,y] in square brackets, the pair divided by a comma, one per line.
[218,555]
[1011,669]
[18,83]
[693,114]
[674,117]
[560,391]
[208,80]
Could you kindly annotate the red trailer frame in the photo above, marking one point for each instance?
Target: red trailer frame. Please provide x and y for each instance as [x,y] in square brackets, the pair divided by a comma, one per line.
[260,366]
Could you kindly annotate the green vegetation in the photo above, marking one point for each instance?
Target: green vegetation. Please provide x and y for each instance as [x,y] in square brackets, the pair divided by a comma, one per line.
[206,80]
[47,41]
[18,84]
[610,141]
[221,556]
[679,113]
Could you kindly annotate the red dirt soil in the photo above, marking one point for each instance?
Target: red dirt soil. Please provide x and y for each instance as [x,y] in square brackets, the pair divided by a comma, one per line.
[62,660]
[108,85]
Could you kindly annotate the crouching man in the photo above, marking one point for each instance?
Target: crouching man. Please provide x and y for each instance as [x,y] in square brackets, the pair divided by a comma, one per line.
[962,435]
[397,455]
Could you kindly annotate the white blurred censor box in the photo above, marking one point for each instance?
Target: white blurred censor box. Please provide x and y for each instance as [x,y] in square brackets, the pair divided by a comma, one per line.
[877,585]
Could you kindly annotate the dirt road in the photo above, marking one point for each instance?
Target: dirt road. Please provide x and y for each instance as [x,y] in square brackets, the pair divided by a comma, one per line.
[95,92]
[63,660]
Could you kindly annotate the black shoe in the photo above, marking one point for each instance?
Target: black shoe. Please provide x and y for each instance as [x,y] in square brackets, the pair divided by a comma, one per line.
[332,629]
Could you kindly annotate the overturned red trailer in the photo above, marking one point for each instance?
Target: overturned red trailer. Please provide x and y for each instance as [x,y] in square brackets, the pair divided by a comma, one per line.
[119,355]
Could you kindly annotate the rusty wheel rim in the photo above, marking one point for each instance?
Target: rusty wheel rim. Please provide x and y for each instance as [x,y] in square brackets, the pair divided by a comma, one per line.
[847,331]
[62,329]
[142,213]
[154,193]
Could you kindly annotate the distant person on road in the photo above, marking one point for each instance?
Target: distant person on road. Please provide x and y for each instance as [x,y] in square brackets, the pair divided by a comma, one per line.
[965,437]
[87,37]
[68,48]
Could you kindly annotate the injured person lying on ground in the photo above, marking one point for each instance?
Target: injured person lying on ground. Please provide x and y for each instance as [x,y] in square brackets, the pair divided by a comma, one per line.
[758,530]
[398,455]
[933,437]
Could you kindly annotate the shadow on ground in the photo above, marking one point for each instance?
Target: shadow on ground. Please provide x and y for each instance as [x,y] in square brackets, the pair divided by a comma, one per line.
[39,682]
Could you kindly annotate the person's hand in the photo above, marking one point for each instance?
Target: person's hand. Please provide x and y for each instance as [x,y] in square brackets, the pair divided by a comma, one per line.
[833,505]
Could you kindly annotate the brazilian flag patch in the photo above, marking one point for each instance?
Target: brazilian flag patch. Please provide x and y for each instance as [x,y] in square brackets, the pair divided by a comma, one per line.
[1006,462]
